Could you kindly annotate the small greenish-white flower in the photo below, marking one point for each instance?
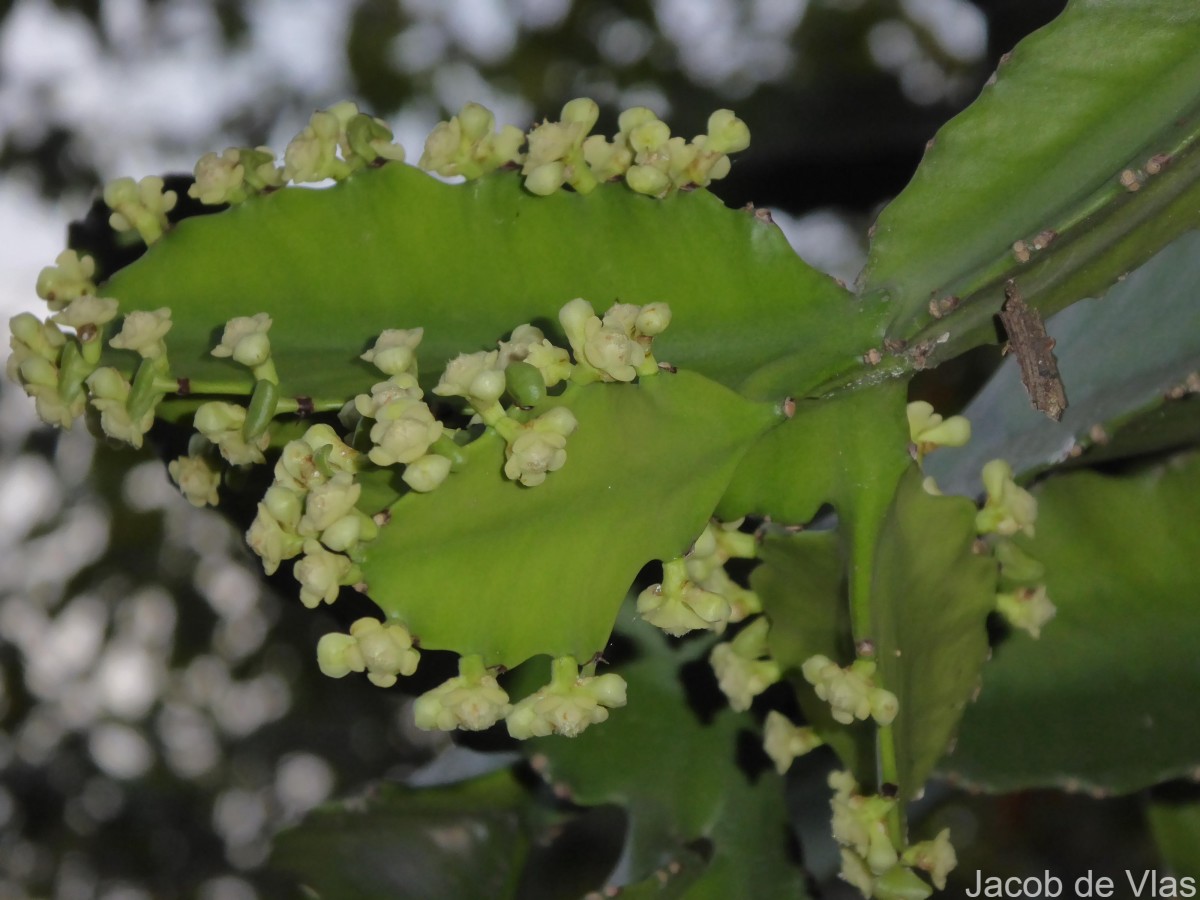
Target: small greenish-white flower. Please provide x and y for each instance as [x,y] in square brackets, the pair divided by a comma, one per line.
[32,337]
[321,574]
[70,277]
[234,175]
[937,857]
[273,534]
[653,319]
[143,331]
[219,179]
[928,430]
[742,665]
[474,376]
[784,741]
[555,155]
[426,473]
[329,502]
[366,139]
[850,692]
[860,824]
[314,458]
[678,605]
[467,146]
[607,350]
[386,650]
[245,340]
[855,873]
[397,389]
[568,705]
[540,447]
[312,154]
[706,158]
[532,455]
[197,478]
[110,392]
[529,345]
[472,700]
[87,313]
[1009,508]
[140,206]
[395,351]
[716,545]
[1027,608]
[221,423]
[338,655]
[403,433]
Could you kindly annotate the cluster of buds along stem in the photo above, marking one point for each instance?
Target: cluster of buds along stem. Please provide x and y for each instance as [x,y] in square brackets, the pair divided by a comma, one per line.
[717,544]
[59,370]
[874,858]
[310,511]
[1008,512]
[564,153]
[404,430]
[851,692]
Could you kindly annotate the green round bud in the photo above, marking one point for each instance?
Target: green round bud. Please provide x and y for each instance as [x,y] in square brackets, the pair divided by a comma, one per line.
[525,383]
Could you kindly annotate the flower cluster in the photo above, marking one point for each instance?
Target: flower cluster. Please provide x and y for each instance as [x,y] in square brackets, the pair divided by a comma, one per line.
[384,650]
[743,666]
[784,741]
[337,142]
[1010,510]
[468,145]
[196,476]
[140,206]
[404,428]
[643,152]
[54,367]
[539,446]
[851,692]
[696,592]
[36,365]
[617,347]
[717,544]
[310,509]
[234,175]
[679,605]
[568,704]
[871,859]
[472,700]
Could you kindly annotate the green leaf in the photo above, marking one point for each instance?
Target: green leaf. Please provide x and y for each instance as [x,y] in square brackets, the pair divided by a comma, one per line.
[1104,88]
[484,565]
[457,841]
[930,598]
[1102,699]
[1175,824]
[679,778]
[928,601]
[1118,357]
[396,248]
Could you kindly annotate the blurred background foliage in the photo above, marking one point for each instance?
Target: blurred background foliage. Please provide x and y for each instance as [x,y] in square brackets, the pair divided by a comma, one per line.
[160,713]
